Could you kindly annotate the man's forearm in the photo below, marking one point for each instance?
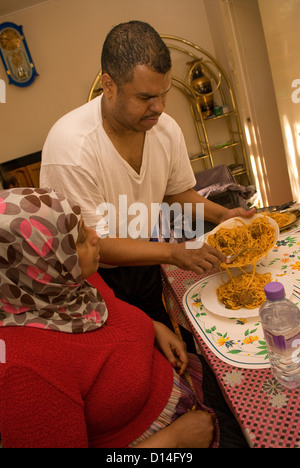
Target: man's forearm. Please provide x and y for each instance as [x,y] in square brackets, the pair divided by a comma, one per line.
[131,252]
[212,211]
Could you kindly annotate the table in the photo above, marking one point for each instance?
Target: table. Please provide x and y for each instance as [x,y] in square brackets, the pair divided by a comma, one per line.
[268,413]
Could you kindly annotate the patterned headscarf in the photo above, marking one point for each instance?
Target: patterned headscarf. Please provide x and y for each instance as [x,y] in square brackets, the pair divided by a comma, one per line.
[40,277]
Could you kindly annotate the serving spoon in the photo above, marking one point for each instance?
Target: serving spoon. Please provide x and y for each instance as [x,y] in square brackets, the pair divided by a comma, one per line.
[231,258]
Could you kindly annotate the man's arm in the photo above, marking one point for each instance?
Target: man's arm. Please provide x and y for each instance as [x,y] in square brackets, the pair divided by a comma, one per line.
[131,252]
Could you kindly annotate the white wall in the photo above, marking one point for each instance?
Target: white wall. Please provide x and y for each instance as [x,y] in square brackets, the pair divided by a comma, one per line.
[281,23]
[65,38]
[239,41]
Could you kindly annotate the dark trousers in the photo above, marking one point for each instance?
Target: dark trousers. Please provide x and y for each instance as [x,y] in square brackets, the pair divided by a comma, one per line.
[140,286]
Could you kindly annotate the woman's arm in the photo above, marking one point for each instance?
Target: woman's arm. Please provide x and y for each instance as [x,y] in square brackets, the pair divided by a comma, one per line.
[172,346]
[34,414]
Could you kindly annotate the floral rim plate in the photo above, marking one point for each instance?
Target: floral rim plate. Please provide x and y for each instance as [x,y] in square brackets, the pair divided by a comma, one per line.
[293,217]
[239,342]
[211,302]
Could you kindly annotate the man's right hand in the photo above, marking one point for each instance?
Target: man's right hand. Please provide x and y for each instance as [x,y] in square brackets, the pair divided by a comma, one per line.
[199,260]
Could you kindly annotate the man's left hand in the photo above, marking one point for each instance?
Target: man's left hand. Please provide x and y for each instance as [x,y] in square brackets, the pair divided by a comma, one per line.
[241,212]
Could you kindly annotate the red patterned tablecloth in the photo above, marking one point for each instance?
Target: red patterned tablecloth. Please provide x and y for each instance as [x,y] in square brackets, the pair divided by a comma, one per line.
[268,413]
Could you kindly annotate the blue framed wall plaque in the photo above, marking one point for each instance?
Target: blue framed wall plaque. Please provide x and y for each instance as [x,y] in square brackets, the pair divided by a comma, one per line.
[15,55]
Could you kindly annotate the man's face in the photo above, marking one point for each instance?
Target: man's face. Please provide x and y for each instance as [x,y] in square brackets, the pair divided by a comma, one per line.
[137,105]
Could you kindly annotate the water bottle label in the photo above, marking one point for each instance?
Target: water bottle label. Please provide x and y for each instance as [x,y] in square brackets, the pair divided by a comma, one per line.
[279,342]
[276,342]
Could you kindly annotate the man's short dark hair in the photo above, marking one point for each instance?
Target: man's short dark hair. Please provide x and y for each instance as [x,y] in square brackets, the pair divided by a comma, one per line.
[130,44]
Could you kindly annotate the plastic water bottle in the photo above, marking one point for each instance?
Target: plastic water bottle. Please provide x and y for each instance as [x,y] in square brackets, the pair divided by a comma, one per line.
[281,325]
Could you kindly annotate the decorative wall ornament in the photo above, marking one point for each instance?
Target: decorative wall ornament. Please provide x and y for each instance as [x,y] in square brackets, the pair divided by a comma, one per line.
[15,55]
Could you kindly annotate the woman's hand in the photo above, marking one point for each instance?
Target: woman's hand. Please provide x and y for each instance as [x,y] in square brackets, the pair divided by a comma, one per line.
[172,346]
[194,429]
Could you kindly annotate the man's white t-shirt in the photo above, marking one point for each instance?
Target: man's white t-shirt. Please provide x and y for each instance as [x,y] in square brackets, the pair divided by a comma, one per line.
[80,161]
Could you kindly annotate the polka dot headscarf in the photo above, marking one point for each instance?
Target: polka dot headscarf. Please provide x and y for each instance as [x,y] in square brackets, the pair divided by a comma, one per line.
[40,276]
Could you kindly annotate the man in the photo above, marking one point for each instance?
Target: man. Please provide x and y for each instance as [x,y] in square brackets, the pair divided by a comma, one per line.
[122,144]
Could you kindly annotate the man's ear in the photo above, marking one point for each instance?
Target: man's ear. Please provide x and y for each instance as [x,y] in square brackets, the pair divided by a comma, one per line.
[108,85]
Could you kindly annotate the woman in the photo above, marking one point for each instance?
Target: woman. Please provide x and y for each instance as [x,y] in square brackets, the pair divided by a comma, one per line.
[82,369]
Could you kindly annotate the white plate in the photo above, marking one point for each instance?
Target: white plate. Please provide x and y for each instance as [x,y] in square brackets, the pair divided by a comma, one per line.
[238,221]
[211,302]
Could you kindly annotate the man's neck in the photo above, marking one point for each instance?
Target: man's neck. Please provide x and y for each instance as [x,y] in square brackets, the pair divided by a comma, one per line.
[128,143]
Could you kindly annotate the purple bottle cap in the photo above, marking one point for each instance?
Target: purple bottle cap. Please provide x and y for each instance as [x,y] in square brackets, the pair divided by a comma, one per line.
[274,291]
